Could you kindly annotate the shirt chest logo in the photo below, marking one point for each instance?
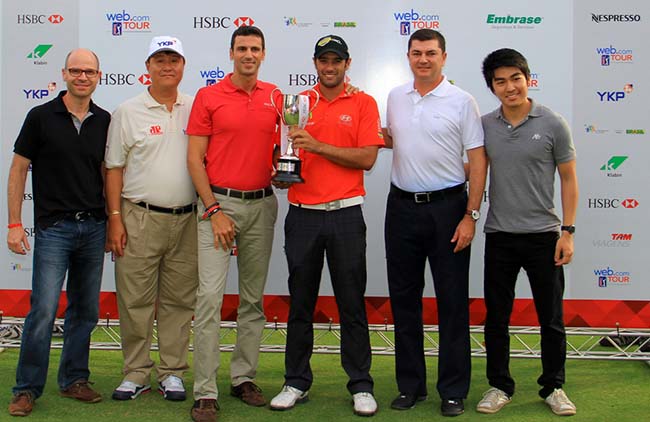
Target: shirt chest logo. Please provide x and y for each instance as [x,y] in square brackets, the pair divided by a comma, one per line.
[155,130]
[345,119]
[536,137]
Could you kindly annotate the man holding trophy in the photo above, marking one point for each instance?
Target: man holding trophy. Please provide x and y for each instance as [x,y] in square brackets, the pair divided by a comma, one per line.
[340,141]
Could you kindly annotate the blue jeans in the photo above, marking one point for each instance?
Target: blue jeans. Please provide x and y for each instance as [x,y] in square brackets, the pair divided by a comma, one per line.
[75,246]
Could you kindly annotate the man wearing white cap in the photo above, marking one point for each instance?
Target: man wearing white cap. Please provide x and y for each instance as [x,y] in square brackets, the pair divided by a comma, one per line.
[152,225]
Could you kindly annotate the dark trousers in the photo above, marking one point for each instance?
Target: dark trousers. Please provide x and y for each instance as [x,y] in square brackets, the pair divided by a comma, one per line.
[341,235]
[505,255]
[414,233]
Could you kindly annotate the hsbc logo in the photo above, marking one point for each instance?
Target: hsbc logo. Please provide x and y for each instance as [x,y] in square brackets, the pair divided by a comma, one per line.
[113,79]
[244,21]
[33,19]
[303,79]
[212,22]
[145,79]
[630,203]
[608,203]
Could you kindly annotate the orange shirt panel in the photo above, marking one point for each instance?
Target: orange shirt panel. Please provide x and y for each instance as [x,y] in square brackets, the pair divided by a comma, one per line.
[347,121]
[242,131]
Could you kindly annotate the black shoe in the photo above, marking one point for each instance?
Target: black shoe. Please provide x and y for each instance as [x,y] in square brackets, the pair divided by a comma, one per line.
[452,407]
[406,401]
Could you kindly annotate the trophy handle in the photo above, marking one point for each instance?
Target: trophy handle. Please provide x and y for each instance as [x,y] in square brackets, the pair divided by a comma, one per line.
[273,102]
[317,99]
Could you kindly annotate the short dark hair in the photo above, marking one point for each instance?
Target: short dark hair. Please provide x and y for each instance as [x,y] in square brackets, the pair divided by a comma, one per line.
[426,35]
[504,57]
[244,31]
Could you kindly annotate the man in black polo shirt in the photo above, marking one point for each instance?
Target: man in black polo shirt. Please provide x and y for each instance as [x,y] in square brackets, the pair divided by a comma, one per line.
[64,141]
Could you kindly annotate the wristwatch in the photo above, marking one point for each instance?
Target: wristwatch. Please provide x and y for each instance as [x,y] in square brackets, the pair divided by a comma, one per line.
[571,229]
[475,214]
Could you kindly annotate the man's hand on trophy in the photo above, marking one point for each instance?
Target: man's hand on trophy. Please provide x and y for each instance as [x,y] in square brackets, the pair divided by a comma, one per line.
[303,140]
[277,184]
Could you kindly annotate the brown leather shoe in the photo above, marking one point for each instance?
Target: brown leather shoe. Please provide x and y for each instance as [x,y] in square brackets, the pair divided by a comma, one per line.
[249,393]
[21,404]
[81,390]
[204,410]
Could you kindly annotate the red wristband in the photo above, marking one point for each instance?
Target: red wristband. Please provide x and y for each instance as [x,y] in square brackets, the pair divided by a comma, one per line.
[13,225]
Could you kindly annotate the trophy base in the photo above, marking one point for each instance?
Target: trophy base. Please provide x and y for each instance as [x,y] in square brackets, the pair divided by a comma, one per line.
[288,178]
[288,170]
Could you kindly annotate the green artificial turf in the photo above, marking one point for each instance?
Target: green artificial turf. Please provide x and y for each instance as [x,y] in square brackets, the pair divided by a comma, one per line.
[609,391]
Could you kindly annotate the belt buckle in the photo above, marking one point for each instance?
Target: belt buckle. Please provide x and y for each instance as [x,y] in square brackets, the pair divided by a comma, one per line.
[333,205]
[421,197]
[80,216]
[177,210]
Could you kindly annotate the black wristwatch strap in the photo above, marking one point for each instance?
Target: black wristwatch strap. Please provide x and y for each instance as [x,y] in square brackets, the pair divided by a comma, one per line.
[570,229]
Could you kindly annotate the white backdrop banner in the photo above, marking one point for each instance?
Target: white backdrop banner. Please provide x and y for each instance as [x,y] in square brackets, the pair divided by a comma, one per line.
[588,59]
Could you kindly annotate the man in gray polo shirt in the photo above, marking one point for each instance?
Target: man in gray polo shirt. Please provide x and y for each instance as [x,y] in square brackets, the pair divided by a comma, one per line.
[526,142]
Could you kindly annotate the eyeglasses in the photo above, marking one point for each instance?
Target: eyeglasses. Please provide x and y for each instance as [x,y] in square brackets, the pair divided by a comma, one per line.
[90,73]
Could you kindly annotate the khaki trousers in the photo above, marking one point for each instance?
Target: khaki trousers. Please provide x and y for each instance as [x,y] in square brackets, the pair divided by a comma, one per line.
[156,279]
[255,223]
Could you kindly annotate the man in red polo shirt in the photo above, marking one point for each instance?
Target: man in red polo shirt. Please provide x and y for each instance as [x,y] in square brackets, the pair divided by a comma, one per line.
[232,133]
[340,141]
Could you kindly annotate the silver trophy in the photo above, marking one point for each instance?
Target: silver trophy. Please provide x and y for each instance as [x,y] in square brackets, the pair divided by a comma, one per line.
[295,111]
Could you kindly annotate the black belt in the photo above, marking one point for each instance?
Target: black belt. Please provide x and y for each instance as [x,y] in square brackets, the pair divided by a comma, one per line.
[426,197]
[175,210]
[78,216]
[246,194]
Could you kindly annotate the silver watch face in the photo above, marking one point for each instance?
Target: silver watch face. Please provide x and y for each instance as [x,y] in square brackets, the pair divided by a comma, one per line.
[476,214]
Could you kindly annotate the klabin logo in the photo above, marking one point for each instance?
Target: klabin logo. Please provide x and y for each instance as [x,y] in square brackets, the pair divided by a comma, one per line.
[613,164]
[39,52]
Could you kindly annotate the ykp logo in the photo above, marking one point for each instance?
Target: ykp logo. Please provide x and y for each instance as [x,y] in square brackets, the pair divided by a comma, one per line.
[26,19]
[615,96]
[36,94]
[606,203]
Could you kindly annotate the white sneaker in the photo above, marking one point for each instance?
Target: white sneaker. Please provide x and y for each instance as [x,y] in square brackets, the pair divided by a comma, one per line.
[129,390]
[364,404]
[288,397]
[560,403]
[172,388]
[493,400]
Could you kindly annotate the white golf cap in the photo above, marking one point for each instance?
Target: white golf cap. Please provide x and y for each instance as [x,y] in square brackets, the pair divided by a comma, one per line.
[165,43]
